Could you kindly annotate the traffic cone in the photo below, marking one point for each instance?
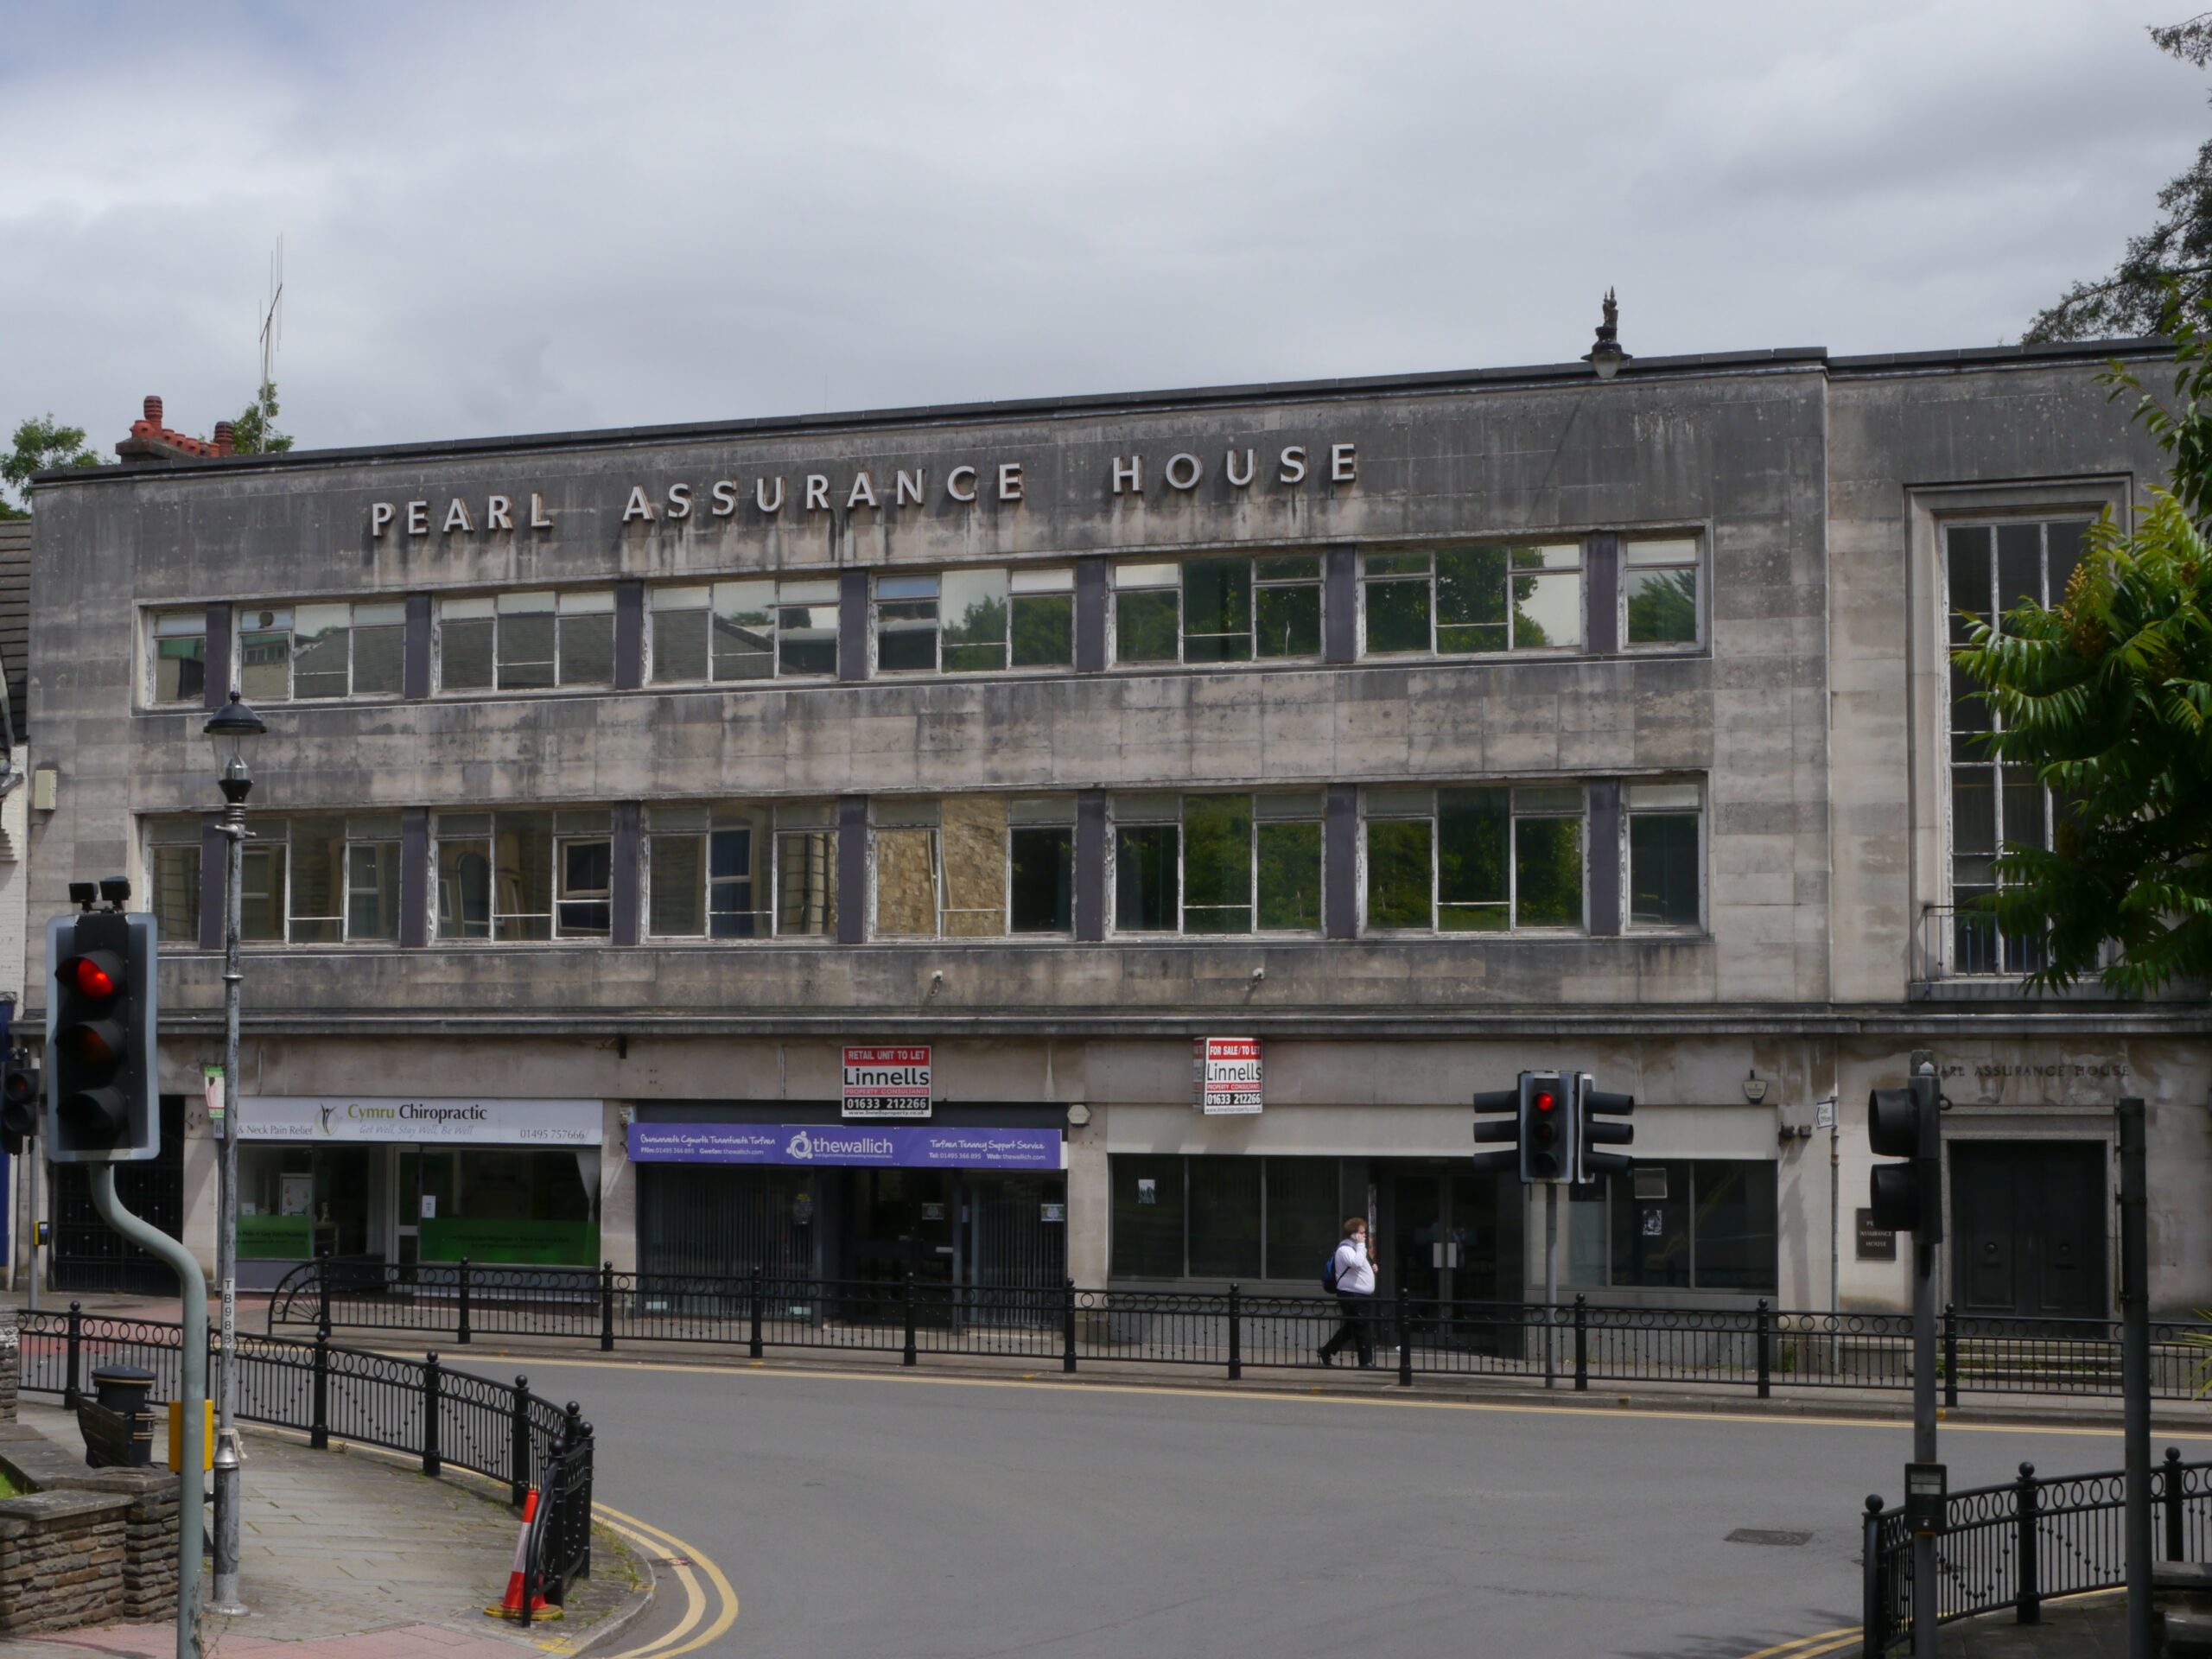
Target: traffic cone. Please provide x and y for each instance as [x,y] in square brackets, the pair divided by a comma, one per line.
[511,1606]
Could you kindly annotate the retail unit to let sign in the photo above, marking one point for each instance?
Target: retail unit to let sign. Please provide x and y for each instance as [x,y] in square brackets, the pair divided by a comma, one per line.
[883,1083]
[1225,1075]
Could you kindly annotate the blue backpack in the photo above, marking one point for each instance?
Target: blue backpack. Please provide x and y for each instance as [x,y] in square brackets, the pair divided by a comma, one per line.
[1329,1273]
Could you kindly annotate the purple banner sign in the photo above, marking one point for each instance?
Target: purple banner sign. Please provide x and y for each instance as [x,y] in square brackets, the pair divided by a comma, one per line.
[869,1146]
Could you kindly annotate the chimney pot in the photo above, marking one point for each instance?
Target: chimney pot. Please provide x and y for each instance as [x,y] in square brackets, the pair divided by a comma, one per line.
[224,434]
[154,412]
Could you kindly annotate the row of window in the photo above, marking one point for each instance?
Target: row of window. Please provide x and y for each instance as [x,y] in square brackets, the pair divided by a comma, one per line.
[1671,1223]
[1491,859]
[1229,609]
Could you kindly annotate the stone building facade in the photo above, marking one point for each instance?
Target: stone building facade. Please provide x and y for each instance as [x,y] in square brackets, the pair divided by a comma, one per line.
[639,809]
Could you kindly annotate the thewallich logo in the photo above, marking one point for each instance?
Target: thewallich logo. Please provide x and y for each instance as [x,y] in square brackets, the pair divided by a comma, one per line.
[801,1147]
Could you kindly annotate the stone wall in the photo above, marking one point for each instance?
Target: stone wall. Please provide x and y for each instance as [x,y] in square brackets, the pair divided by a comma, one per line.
[90,1547]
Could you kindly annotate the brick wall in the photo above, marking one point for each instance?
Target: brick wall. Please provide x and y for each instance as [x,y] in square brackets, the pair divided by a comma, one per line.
[90,1547]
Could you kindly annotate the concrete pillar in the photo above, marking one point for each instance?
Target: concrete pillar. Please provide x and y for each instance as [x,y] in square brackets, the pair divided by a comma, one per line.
[618,1192]
[1090,1203]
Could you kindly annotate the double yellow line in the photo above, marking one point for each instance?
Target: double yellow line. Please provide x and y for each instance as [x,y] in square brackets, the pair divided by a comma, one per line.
[1811,1646]
[672,1554]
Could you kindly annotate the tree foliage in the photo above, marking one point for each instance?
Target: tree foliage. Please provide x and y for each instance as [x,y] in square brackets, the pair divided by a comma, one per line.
[2107,696]
[251,434]
[39,445]
[2175,251]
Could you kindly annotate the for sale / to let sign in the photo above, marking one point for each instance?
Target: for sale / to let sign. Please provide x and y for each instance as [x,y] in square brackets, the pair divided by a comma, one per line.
[1225,1074]
[887,1082]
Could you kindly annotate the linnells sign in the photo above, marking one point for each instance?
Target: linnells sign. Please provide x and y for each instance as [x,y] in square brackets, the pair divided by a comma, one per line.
[1225,1075]
[887,1082]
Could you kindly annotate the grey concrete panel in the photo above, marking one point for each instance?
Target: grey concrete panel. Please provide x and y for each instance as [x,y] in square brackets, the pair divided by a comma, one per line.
[1090,616]
[1340,605]
[625,900]
[629,635]
[852,645]
[217,690]
[214,878]
[1340,863]
[1605,863]
[414,675]
[852,870]
[1090,865]
[414,877]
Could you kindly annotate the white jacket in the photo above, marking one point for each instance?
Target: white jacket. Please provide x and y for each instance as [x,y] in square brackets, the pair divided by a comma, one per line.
[1355,1273]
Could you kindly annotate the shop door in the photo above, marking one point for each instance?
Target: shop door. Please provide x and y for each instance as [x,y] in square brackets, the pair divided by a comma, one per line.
[901,1221]
[1017,1246]
[2028,1219]
[1447,1240]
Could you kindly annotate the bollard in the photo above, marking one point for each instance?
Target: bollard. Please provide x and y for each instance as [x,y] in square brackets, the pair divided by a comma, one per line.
[2030,1605]
[432,1396]
[755,1312]
[70,1395]
[319,1429]
[1873,1599]
[462,1322]
[2176,1498]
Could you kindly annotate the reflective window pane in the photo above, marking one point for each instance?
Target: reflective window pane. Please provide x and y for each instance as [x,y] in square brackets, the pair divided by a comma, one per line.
[1661,606]
[1042,861]
[1546,611]
[465,654]
[1663,870]
[587,650]
[1401,874]
[905,636]
[1397,617]
[372,890]
[680,644]
[464,889]
[1218,864]
[1146,627]
[1548,872]
[527,644]
[1287,620]
[743,643]
[1224,1212]
[1289,856]
[807,640]
[1145,880]
[1044,630]
[1218,610]
[1734,1246]
[1148,1215]
[1472,890]
[379,661]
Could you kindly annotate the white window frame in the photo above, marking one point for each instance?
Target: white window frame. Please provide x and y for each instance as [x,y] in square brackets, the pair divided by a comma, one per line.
[380,614]
[1139,810]
[363,829]
[521,601]
[163,833]
[1696,795]
[1116,585]
[1531,654]
[1699,563]
[1514,816]
[196,616]
[785,818]
[783,593]
[1023,581]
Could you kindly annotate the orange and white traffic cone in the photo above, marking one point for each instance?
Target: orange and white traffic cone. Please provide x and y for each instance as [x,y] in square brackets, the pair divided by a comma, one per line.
[511,1606]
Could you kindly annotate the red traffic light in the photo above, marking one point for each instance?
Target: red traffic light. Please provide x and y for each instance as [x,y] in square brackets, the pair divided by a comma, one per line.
[1546,1101]
[96,975]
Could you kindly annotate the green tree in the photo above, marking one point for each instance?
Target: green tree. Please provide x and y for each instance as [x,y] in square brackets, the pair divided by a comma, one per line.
[2107,696]
[39,445]
[251,436]
[2177,250]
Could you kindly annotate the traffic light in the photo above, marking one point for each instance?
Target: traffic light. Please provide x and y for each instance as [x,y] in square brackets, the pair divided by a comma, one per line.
[1504,1104]
[101,1105]
[1595,1112]
[1546,1123]
[19,1099]
[1908,1124]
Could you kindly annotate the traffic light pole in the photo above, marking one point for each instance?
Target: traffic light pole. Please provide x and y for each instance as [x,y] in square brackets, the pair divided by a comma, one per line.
[1551,1283]
[1925,1613]
[226,1231]
[2135,1368]
[193,1392]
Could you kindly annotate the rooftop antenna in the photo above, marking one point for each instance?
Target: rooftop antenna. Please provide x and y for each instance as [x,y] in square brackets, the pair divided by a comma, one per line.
[272,331]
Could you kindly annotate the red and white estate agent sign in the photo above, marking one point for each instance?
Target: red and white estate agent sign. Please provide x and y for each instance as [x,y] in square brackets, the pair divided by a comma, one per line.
[887,1082]
[1225,1074]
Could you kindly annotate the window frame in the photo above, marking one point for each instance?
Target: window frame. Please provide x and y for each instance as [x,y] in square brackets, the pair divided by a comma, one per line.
[1316,816]
[1364,579]
[1515,817]
[2006,956]
[154,615]
[1628,813]
[1053,812]
[167,833]
[361,829]
[562,826]
[587,599]
[1061,576]
[784,818]
[353,624]
[1696,565]
[1602,1198]
[1263,1232]
[776,633]
[1258,580]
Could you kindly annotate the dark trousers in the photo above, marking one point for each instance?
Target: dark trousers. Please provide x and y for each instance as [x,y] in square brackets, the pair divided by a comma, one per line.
[1357,1328]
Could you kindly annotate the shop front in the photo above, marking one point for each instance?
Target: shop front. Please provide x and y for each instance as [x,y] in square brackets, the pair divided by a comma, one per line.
[967,1200]
[499,1182]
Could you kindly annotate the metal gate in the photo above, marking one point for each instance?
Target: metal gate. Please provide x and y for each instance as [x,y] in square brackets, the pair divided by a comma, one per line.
[1015,1248]
[696,1220]
[89,1254]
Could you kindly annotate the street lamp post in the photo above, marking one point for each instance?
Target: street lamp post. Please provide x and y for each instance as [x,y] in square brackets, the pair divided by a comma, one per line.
[230,729]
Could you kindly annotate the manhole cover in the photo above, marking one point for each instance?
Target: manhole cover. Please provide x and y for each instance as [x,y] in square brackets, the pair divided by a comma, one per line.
[1762,1535]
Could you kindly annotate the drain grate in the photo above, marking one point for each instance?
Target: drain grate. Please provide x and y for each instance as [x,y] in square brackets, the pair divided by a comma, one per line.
[1763,1535]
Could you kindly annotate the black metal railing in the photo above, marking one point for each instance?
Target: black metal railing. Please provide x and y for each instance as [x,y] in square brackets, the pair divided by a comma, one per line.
[418,1406]
[557,1550]
[1754,1346]
[2018,1544]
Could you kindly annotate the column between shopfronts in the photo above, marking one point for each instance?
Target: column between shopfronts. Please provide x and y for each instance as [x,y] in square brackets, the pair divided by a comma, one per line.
[852,869]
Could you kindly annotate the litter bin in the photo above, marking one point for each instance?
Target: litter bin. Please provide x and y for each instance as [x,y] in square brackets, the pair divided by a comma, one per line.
[123,1391]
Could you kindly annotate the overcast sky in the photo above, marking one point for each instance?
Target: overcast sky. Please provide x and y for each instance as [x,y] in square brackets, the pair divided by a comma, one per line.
[518,217]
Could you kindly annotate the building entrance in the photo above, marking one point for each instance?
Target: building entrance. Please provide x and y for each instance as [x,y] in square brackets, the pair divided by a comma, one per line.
[2028,1226]
[1446,1238]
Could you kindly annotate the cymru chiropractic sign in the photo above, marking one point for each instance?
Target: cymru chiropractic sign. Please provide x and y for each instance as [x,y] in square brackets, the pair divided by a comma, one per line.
[427,1123]
[844,1147]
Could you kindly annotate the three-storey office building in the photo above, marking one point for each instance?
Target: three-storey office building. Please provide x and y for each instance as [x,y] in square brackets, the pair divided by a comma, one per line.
[824,843]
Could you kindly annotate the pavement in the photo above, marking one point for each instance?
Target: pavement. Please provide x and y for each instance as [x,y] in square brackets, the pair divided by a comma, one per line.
[349,1554]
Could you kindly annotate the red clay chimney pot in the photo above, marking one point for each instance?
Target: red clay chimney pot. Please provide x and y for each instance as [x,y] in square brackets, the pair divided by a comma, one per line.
[154,412]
